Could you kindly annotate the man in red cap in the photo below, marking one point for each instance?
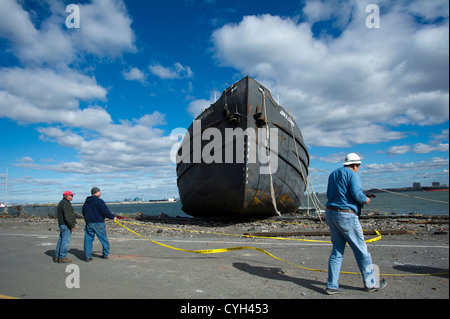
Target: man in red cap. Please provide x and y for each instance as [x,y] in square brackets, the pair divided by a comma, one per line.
[66,220]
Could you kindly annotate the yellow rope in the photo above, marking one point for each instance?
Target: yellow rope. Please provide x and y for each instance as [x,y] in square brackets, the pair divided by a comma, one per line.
[222,250]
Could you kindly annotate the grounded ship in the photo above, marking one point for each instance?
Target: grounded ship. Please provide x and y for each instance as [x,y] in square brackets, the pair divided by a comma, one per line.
[244,155]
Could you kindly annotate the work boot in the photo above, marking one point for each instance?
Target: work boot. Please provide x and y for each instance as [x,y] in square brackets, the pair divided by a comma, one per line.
[55,259]
[381,285]
[334,291]
[64,260]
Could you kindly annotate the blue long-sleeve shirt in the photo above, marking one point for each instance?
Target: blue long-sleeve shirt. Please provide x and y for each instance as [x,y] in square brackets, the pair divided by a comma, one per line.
[345,191]
[95,210]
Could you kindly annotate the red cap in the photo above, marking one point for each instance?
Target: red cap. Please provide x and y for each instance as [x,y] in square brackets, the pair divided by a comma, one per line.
[67,193]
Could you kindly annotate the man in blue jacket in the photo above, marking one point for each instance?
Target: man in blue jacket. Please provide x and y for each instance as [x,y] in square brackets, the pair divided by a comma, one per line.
[345,200]
[94,212]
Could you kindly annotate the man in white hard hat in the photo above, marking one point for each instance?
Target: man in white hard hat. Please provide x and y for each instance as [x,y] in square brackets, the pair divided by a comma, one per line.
[345,200]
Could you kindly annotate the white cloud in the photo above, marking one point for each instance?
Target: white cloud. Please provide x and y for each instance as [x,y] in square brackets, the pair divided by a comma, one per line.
[177,71]
[25,159]
[443,136]
[400,149]
[197,106]
[430,9]
[418,148]
[134,74]
[334,158]
[162,72]
[436,163]
[48,88]
[105,28]
[398,174]
[317,10]
[45,95]
[154,119]
[340,87]
[48,44]
[128,146]
[105,31]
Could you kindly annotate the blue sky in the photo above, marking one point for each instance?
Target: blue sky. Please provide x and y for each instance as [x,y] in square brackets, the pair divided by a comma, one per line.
[96,105]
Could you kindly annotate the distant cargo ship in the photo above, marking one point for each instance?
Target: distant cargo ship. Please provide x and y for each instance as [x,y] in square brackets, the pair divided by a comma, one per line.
[166,200]
[435,189]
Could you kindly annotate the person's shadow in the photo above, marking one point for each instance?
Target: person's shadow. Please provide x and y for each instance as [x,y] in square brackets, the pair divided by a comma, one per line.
[425,270]
[79,254]
[275,273]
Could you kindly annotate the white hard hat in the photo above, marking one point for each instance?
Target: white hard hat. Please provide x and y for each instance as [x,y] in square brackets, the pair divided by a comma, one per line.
[352,158]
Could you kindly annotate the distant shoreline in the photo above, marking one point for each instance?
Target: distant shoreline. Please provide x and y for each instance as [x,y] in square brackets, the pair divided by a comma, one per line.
[149,202]
[107,203]
[134,203]
[409,189]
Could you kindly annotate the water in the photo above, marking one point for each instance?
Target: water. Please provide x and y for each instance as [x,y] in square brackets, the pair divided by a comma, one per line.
[172,209]
[405,203]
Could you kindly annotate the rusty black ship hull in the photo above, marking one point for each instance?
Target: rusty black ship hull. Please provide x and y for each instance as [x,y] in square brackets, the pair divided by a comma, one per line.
[242,156]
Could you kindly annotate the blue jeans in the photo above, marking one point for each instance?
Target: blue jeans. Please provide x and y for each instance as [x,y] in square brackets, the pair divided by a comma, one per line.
[90,231]
[63,241]
[346,228]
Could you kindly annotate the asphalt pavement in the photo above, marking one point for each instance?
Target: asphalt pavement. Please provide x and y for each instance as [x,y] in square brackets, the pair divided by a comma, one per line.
[139,269]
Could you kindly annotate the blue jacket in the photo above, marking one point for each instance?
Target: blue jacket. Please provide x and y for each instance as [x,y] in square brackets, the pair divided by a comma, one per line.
[345,190]
[95,210]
